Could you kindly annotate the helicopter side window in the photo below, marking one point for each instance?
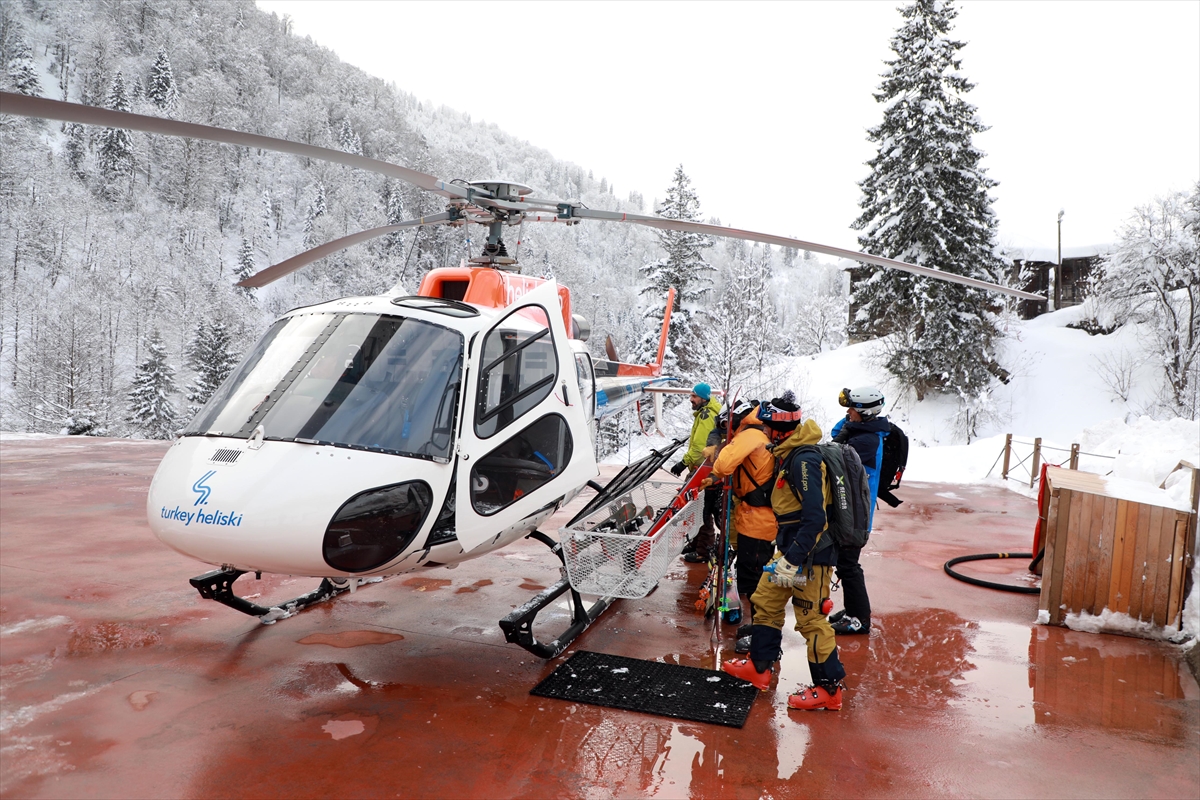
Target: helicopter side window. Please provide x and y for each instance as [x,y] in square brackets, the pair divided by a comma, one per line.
[527,461]
[519,368]
[587,382]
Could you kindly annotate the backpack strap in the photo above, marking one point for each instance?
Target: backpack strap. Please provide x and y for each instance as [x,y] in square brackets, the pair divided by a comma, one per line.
[760,495]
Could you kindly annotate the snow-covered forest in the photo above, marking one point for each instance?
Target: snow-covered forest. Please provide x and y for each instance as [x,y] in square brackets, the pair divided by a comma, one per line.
[120,249]
[124,247]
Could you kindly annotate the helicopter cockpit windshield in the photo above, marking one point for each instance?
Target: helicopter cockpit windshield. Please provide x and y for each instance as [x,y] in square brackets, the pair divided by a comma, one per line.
[377,382]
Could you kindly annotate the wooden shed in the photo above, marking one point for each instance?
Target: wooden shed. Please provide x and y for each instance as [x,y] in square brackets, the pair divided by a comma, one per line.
[1114,544]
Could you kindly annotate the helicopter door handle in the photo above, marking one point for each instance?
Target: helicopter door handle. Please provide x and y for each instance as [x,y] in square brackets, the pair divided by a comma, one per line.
[565,397]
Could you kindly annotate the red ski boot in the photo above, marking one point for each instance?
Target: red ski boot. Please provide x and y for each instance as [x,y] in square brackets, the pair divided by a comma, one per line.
[744,668]
[813,698]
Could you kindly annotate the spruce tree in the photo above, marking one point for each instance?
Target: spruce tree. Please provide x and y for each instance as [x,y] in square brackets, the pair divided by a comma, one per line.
[116,144]
[151,411]
[348,140]
[76,149]
[245,265]
[683,268]
[161,87]
[211,356]
[926,202]
[315,209]
[20,69]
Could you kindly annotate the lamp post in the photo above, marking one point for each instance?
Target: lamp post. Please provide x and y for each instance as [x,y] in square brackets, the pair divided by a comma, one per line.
[1058,267]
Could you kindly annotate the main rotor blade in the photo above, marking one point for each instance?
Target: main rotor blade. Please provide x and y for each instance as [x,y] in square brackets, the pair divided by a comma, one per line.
[24,106]
[784,241]
[277,271]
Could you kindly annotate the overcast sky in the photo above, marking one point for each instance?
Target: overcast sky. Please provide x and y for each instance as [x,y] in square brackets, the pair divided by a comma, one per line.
[1094,107]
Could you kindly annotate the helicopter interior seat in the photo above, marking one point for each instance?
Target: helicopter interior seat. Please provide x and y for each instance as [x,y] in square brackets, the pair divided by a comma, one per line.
[521,464]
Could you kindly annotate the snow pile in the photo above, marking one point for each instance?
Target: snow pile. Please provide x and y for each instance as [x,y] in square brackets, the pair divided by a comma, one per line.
[1116,622]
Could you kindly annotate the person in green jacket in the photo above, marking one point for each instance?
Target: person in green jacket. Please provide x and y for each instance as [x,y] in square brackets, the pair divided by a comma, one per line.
[705,409]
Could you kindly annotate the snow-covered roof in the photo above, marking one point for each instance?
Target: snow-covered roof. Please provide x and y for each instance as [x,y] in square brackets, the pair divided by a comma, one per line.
[1051,253]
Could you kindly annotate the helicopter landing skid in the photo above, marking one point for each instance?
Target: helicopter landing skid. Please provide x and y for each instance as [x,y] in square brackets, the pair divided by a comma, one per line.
[518,625]
[218,585]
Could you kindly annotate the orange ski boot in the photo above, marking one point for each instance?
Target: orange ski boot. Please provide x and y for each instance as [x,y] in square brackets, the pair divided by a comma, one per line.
[814,698]
[744,668]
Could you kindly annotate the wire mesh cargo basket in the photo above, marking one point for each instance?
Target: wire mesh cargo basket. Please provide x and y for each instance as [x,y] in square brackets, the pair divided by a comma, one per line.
[622,549]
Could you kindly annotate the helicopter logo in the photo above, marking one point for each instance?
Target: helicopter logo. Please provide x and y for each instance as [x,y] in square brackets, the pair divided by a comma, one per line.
[380,435]
[201,489]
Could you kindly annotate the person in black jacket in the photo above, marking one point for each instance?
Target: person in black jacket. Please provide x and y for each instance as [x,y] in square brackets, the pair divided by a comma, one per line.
[864,429]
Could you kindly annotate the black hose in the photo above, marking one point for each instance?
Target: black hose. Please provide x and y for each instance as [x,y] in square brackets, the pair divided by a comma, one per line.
[1004,587]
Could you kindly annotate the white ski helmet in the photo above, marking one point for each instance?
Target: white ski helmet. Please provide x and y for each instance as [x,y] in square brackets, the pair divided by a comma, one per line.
[866,400]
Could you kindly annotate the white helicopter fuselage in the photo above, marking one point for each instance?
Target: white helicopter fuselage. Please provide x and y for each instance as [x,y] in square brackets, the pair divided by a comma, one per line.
[370,436]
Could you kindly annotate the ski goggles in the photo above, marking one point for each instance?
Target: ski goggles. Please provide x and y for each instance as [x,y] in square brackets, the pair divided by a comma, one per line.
[770,413]
[845,402]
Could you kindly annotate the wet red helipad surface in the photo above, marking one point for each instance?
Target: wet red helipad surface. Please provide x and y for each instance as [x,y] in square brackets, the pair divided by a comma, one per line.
[119,681]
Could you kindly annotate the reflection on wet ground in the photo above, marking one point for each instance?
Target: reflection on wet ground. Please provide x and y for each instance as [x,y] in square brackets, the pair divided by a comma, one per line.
[1083,680]
[133,686]
[915,659]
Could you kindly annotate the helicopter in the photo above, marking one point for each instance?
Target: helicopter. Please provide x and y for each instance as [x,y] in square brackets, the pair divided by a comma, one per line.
[370,436]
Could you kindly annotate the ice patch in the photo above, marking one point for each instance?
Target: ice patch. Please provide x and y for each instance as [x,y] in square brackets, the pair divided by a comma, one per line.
[33,625]
[620,670]
[950,495]
[713,679]
[1043,617]
[27,714]
[275,614]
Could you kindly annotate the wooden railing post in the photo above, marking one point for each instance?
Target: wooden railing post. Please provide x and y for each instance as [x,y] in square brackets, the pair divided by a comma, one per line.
[1007,454]
[1074,456]
[1037,461]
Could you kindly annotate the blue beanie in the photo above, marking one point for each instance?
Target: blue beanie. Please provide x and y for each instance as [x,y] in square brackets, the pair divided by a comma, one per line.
[702,390]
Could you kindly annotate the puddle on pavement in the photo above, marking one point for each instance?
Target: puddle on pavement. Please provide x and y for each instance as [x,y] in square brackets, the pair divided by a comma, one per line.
[680,756]
[1012,676]
[1085,680]
[343,728]
[350,638]
[995,691]
[915,659]
[140,699]
[428,584]
[474,587]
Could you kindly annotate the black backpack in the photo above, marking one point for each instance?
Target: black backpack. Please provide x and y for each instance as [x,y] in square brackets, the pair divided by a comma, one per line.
[895,459]
[849,510]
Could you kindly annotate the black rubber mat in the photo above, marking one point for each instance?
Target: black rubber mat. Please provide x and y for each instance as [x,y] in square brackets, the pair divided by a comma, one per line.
[651,687]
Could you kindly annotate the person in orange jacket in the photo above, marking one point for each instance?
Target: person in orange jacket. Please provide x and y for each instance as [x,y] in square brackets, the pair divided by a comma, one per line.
[752,466]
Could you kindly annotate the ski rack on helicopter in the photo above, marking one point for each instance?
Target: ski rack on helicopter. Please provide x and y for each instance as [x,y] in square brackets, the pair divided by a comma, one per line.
[518,625]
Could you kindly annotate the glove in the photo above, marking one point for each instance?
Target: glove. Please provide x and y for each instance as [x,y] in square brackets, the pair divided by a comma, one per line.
[784,573]
[707,482]
[710,452]
[678,469]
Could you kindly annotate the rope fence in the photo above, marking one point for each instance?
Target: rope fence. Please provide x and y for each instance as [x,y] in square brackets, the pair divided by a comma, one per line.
[1031,464]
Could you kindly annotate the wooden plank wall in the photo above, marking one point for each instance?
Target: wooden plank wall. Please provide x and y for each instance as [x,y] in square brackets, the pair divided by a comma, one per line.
[1107,553]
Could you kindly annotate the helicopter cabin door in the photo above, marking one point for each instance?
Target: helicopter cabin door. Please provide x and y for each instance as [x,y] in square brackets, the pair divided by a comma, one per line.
[525,442]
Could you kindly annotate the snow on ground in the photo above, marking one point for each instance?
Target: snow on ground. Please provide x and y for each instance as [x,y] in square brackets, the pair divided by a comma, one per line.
[1058,392]
[10,436]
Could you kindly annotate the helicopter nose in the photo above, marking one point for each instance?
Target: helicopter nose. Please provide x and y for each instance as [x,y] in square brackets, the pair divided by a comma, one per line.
[291,508]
